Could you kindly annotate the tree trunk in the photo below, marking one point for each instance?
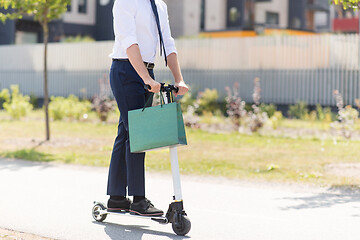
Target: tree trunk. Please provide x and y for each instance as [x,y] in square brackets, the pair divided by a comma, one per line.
[46,92]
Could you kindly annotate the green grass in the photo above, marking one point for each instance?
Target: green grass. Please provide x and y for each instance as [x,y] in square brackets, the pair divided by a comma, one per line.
[296,123]
[231,155]
[29,154]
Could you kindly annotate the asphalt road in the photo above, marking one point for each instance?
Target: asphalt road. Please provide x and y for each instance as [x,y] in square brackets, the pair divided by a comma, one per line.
[55,201]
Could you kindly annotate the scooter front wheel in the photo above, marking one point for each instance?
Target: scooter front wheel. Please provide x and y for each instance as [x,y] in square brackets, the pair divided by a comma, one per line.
[183,226]
[96,212]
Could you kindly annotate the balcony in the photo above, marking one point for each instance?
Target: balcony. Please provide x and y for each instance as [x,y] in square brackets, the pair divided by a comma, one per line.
[346,25]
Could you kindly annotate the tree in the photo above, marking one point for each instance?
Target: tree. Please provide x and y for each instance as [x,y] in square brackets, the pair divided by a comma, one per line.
[43,11]
[348,4]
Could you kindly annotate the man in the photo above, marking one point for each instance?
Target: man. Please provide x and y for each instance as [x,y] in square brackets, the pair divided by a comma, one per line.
[139,26]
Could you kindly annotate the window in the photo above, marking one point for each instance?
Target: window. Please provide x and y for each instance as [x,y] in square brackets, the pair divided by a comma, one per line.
[296,23]
[69,8]
[321,19]
[26,37]
[234,14]
[272,18]
[82,6]
[104,2]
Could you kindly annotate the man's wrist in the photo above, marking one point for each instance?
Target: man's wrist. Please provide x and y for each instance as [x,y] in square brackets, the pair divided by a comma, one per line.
[147,80]
[179,80]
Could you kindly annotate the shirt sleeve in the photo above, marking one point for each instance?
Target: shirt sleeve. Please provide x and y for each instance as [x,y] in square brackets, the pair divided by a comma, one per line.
[169,41]
[124,12]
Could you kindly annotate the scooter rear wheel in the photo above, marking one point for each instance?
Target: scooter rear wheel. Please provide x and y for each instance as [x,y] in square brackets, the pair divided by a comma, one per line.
[183,227]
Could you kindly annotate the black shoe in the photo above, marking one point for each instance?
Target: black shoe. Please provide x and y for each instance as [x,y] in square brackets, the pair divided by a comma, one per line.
[145,208]
[119,205]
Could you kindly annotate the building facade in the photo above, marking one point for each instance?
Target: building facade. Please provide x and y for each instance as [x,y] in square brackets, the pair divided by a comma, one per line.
[187,18]
[84,17]
[247,17]
[259,15]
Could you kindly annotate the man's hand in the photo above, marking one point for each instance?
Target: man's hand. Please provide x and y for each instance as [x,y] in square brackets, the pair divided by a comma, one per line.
[155,86]
[183,88]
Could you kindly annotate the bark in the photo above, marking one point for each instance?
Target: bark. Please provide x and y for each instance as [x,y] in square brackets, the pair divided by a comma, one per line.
[46,92]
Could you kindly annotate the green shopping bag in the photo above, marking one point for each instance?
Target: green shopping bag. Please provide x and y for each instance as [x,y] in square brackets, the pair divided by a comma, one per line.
[156,127]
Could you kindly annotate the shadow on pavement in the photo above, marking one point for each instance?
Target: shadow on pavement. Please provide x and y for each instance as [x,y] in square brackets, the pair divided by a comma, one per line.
[335,195]
[133,232]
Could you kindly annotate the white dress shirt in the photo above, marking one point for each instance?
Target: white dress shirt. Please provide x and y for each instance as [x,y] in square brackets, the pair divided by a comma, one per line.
[134,23]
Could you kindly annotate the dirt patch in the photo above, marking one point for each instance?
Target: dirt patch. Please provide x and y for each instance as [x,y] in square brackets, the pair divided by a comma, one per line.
[12,235]
[344,169]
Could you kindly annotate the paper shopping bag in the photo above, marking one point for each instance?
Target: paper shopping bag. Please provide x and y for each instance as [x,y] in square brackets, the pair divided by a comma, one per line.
[156,127]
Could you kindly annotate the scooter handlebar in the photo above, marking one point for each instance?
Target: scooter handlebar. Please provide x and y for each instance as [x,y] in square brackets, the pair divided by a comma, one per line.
[163,88]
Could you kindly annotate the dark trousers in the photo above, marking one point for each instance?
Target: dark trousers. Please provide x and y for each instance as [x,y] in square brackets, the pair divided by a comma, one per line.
[126,168]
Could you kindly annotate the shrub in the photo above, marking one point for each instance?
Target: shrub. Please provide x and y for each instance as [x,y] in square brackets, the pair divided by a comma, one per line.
[256,119]
[275,120]
[313,116]
[325,114]
[16,105]
[299,111]
[4,97]
[270,109]
[70,107]
[320,113]
[103,106]
[102,103]
[346,117]
[186,101]
[235,108]
[78,38]
[34,101]
[190,118]
[207,101]
[329,115]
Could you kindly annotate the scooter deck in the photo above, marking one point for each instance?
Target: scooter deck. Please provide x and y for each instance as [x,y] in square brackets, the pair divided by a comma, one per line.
[159,219]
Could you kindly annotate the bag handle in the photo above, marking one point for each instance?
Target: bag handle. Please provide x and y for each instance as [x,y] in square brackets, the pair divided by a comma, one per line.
[162,101]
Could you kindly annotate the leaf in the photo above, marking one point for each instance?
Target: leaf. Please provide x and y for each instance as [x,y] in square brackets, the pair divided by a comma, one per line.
[53,8]
[354,4]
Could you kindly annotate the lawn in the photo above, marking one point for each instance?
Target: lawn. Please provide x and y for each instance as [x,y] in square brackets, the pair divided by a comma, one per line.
[232,155]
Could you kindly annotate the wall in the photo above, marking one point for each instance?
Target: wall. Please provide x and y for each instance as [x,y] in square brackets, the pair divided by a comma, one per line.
[7,31]
[78,18]
[215,17]
[192,11]
[184,17]
[176,17]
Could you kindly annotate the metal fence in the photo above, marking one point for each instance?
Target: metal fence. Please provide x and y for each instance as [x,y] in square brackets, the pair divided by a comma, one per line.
[290,68]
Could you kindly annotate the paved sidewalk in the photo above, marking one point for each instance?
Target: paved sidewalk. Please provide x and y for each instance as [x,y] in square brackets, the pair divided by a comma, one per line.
[55,201]
[13,235]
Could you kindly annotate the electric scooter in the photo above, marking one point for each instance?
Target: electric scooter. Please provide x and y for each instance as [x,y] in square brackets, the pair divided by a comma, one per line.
[176,214]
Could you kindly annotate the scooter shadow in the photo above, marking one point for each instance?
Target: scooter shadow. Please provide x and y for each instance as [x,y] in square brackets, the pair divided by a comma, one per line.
[133,232]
